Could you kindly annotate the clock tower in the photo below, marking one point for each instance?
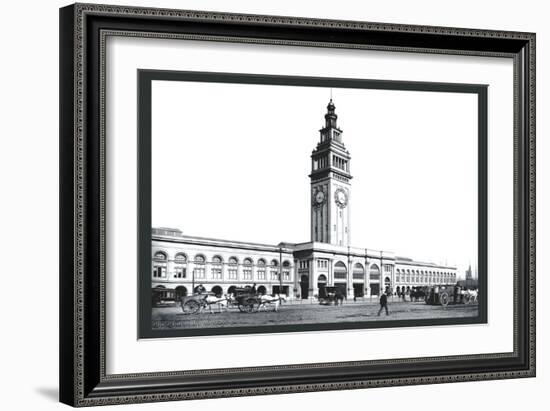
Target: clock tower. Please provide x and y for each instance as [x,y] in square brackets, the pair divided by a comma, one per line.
[330,185]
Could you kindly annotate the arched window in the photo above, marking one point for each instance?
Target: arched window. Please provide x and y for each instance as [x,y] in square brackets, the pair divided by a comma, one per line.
[374,272]
[358,272]
[233,268]
[247,269]
[180,258]
[286,270]
[217,268]
[180,268]
[199,271]
[261,269]
[159,264]
[340,271]
[160,256]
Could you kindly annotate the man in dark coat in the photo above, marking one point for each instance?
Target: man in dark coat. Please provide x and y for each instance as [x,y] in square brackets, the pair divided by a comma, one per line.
[383,304]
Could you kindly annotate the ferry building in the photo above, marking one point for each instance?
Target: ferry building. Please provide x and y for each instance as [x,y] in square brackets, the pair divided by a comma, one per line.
[181,262]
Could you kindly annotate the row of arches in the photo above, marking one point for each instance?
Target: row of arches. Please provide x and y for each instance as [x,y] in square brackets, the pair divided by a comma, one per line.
[424,276]
[422,272]
[358,271]
[200,258]
[182,291]
[217,268]
[340,274]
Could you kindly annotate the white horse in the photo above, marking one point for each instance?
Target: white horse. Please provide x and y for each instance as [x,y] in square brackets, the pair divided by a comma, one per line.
[470,296]
[211,300]
[266,300]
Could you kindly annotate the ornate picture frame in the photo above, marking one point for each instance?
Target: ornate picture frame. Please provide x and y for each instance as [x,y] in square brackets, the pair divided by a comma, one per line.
[84,376]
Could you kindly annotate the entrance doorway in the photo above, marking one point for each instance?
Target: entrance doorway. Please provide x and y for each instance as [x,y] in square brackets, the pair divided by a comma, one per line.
[343,288]
[181,291]
[358,290]
[374,276]
[321,284]
[387,285]
[304,286]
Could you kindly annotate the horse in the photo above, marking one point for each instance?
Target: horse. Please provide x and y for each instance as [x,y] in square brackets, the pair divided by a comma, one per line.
[339,295]
[211,299]
[470,296]
[275,299]
[417,294]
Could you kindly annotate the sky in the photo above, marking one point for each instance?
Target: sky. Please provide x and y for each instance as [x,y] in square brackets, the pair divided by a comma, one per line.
[232,161]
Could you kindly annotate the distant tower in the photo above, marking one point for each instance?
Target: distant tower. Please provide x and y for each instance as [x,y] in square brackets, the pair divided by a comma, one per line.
[469,272]
[330,185]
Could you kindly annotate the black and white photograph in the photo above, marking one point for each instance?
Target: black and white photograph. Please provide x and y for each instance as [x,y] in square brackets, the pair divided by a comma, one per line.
[284,204]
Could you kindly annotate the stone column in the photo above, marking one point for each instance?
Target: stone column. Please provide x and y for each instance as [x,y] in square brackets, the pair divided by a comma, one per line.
[312,277]
[350,277]
[295,282]
[169,269]
[367,277]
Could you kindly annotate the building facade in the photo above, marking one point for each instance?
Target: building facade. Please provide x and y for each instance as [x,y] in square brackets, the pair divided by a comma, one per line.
[181,262]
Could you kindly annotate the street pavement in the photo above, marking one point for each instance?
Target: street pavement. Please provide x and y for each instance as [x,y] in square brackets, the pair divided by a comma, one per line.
[307,313]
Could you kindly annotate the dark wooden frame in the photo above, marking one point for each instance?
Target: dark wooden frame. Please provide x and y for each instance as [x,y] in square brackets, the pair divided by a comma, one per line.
[83,29]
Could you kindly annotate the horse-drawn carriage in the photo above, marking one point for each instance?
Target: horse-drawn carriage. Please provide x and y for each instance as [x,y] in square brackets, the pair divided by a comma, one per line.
[446,294]
[331,295]
[245,299]
[418,293]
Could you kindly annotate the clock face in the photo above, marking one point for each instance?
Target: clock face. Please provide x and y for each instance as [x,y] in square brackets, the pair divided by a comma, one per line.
[319,197]
[341,198]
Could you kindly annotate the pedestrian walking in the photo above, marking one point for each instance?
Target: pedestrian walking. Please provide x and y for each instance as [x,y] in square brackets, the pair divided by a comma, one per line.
[383,304]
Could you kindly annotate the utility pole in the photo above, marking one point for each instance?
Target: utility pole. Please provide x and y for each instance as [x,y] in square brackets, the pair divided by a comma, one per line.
[280,269]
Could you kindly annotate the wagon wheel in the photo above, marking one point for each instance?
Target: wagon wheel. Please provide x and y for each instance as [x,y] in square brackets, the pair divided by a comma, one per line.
[191,307]
[444,299]
[249,305]
[466,299]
